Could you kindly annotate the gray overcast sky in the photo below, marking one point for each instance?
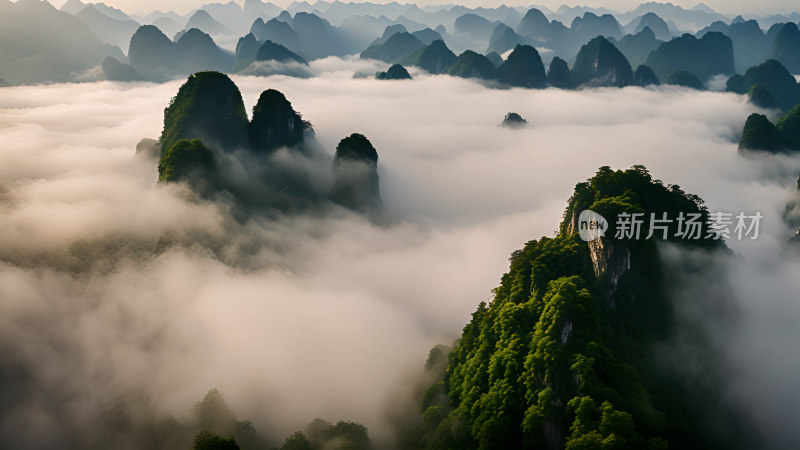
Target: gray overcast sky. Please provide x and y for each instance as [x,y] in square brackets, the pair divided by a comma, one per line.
[723,6]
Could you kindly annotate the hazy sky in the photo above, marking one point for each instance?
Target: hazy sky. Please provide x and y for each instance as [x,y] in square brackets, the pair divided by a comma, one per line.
[723,6]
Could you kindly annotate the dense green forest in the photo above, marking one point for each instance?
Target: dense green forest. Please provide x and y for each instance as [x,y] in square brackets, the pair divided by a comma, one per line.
[563,355]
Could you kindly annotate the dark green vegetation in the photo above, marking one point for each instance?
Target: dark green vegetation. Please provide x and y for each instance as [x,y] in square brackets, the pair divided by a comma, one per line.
[208,107]
[644,76]
[116,71]
[186,160]
[684,79]
[355,169]
[710,55]
[208,143]
[211,425]
[321,435]
[772,77]
[513,120]
[599,63]
[396,72]
[762,135]
[763,98]
[208,440]
[522,68]
[564,355]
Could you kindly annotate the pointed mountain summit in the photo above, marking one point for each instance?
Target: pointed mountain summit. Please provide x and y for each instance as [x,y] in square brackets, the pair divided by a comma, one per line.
[117,71]
[477,27]
[637,47]
[772,76]
[558,74]
[761,135]
[396,47]
[204,22]
[427,36]
[786,47]
[684,79]
[710,55]
[208,107]
[151,50]
[514,121]
[270,51]
[355,168]
[277,31]
[434,58]
[109,30]
[656,24]
[504,38]
[599,63]
[534,24]
[472,65]
[396,72]
[644,76]
[275,123]
[522,68]
[246,51]
[73,6]
[196,51]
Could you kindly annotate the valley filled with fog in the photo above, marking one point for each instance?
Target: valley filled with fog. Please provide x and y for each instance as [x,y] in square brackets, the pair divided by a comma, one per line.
[302,316]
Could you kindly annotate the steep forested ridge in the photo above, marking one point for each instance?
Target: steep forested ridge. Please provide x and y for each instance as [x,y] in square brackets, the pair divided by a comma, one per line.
[563,355]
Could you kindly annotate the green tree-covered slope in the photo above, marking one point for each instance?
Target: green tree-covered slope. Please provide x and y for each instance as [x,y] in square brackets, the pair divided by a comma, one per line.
[563,355]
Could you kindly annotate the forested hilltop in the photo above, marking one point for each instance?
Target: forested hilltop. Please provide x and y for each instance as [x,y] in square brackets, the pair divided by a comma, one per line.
[563,356]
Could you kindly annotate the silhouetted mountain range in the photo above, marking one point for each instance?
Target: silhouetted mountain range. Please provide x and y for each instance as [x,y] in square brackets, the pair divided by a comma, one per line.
[157,57]
[40,43]
[710,55]
[391,33]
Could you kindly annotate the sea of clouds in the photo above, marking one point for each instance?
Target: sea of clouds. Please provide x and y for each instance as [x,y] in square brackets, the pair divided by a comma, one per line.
[120,294]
